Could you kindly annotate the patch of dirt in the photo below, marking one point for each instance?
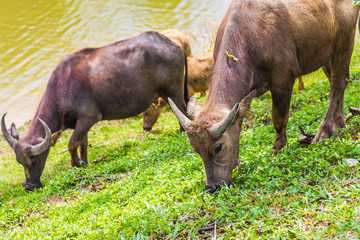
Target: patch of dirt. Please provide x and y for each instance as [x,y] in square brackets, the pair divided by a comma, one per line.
[55,200]
[11,203]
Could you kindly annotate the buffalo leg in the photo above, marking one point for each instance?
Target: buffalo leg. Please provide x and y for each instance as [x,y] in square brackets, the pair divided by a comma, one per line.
[79,138]
[339,65]
[280,115]
[83,150]
[301,85]
[334,117]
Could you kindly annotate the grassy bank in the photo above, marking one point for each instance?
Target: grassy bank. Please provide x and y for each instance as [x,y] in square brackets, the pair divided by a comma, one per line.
[151,185]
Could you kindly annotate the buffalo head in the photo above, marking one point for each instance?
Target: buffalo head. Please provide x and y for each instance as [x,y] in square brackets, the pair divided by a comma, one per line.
[215,136]
[152,113]
[31,156]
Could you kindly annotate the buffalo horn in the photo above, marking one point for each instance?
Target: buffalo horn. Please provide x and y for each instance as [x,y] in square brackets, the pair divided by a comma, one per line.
[45,144]
[219,128]
[183,120]
[12,142]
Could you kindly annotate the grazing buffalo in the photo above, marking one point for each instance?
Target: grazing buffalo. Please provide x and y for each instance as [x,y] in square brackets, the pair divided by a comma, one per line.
[263,45]
[199,68]
[180,38]
[116,81]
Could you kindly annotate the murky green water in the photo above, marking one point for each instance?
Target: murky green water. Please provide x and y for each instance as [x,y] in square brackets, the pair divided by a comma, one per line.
[36,34]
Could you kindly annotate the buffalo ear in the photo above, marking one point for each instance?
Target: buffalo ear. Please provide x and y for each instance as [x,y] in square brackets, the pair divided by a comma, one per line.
[245,104]
[193,107]
[14,133]
[55,136]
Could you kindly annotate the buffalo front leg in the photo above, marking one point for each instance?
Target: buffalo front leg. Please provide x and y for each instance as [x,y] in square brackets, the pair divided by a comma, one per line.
[79,138]
[280,115]
[83,150]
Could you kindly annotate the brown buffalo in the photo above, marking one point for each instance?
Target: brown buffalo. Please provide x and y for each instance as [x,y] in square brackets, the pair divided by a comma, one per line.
[263,45]
[199,68]
[116,81]
[179,37]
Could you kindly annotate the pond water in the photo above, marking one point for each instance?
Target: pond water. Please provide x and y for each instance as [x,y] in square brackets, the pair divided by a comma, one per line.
[35,35]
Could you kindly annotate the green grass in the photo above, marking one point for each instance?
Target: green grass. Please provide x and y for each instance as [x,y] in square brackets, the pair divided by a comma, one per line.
[151,185]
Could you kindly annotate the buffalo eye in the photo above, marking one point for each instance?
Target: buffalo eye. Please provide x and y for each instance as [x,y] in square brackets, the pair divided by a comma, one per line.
[218,148]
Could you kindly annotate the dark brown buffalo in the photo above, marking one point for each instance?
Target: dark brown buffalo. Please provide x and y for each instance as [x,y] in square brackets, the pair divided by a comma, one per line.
[263,45]
[116,81]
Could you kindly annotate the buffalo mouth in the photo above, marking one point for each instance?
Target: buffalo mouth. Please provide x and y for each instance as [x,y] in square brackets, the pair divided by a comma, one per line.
[147,128]
[215,187]
[31,186]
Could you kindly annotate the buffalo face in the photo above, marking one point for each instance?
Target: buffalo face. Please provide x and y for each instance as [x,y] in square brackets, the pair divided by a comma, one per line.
[215,138]
[31,156]
[220,154]
[152,113]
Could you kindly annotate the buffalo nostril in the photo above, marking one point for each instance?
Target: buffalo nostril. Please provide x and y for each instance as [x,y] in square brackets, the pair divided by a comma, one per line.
[147,128]
[211,188]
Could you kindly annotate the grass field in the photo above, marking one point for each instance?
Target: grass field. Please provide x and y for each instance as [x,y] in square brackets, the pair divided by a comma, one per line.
[151,185]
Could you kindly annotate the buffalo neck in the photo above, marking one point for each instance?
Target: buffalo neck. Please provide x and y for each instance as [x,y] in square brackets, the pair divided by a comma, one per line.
[239,66]
[232,81]
[47,112]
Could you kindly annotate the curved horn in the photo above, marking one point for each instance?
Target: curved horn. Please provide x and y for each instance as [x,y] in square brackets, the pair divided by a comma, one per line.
[45,144]
[12,142]
[219,128]
[183,120]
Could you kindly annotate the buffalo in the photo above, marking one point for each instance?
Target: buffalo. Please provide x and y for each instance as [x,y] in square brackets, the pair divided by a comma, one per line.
[178,37]
[199,69]
[264,45]
[116,81]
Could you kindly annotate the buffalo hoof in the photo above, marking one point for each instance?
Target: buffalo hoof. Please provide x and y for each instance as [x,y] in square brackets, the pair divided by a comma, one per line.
[275,152]
[79,164]
[211,188]
[327,129]
[31,186]
[305,139]
[320,135]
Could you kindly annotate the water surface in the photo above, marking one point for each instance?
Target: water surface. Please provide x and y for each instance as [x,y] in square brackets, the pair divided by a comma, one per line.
[35,35]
